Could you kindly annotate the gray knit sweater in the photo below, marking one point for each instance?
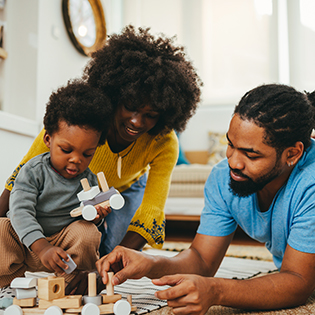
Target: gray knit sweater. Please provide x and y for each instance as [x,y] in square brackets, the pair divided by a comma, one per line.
[41,199]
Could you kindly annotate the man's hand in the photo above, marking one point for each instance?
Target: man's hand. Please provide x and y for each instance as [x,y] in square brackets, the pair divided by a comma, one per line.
[126,264]
[190,294]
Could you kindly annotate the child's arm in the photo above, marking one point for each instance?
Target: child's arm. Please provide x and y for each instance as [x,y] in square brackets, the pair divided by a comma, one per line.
[50,256]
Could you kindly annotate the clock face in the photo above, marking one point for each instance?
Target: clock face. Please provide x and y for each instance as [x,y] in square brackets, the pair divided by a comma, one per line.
[85,24]
[82,20]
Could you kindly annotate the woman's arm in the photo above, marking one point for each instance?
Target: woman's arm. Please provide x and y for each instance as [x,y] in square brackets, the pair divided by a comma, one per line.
[133,240]
[4,202]
[149,219]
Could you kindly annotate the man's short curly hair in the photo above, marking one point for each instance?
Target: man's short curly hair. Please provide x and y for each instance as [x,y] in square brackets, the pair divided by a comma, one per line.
[286,114]
[137,69]
[77,103]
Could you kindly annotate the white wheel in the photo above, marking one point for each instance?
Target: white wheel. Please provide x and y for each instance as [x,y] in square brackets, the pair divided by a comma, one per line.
[53,310]
[116,201]
[89,309]
[122,307]
[89,213]
[13,310]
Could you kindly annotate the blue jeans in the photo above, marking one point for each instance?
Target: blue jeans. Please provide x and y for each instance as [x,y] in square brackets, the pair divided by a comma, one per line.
[117,222]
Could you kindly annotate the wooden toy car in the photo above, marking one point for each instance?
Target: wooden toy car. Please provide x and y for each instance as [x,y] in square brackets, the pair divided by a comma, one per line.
[92,196]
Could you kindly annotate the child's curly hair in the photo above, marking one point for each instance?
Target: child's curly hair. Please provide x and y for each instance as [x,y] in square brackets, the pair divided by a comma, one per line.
[77,103]
[135,68]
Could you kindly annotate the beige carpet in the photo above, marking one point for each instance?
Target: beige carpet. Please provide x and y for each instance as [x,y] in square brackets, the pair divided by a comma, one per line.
[307,309]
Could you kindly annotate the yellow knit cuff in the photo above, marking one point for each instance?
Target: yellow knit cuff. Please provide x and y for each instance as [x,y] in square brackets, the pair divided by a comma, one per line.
[155,235]
[10,181]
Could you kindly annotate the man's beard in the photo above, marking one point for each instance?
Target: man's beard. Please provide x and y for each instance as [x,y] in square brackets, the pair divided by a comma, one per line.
[249,187]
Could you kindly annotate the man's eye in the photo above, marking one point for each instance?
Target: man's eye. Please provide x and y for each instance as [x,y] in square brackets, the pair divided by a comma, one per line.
[252,157]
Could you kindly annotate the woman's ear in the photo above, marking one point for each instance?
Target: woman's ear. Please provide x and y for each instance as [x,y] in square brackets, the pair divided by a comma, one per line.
[47,139]
[294,153]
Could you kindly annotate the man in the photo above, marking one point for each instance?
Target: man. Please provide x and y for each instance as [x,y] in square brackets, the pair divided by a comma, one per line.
[267,187]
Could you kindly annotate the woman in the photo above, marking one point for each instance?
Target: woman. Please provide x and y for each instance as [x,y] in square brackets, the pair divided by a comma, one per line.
[154,91]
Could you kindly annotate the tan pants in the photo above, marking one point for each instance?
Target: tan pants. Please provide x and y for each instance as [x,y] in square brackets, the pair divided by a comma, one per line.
[80,240]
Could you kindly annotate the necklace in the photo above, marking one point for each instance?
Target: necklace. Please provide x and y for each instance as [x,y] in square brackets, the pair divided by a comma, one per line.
[119,159]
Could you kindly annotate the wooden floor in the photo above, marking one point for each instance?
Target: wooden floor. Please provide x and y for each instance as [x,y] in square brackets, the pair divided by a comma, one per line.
[184,231]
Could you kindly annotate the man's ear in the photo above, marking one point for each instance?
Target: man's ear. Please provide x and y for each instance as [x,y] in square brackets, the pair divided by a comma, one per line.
[294,153]
[47,139]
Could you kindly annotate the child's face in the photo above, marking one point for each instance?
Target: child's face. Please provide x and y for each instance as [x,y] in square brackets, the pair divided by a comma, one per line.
[71,149]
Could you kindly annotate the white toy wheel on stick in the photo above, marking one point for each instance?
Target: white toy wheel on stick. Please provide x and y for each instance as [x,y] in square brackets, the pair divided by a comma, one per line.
[89,213]
[122,307]
[13,310]
[116,201]
[89,309]
[53,310]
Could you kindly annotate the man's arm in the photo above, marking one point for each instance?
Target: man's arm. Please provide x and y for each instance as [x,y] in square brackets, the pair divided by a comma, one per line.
[290,287]
[4,202]
[130,264]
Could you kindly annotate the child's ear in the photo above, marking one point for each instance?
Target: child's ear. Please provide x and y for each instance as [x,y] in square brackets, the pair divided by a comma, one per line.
[47,139]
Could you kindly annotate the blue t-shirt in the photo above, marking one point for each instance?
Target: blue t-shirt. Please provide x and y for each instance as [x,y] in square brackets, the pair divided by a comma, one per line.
[290,218]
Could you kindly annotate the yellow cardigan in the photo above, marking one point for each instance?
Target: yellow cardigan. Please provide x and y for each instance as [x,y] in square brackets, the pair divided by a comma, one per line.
[158,154]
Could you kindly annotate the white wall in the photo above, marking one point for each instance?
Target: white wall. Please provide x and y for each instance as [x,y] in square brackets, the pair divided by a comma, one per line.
[207,118]
[40,58]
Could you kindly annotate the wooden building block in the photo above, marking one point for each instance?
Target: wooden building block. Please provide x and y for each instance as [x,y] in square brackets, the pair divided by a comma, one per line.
[33,311]
[51,288]
[85,184]
[92,296]
[69,301]
[109,285]
[92,284]
[111,298]
[129,299]
[102,181]
[31,302]
[104,309]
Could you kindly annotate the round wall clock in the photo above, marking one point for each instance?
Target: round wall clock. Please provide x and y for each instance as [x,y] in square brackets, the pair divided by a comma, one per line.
[85,24]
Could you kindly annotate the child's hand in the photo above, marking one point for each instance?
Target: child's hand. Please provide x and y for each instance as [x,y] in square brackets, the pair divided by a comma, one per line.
[102,212]
[51,257]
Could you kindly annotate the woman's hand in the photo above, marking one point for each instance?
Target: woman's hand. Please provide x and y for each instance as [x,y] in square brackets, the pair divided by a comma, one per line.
[126,264]
[189,294]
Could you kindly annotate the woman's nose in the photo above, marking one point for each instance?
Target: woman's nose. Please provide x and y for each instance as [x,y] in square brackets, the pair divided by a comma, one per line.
[137,120]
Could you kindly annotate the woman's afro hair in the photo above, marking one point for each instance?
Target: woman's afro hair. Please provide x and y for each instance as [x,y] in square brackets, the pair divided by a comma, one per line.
[79,104]
[137,69]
